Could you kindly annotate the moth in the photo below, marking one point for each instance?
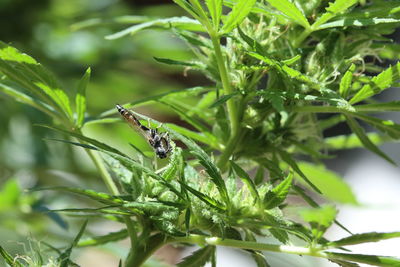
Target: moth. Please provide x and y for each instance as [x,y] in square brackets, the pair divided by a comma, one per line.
[161,143]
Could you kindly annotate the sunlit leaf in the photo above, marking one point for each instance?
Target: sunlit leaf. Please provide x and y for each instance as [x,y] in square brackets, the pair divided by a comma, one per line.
[239,12]
[334,8]
[379,83]
[80,99]
[330,184]
[291,11]
[363,238]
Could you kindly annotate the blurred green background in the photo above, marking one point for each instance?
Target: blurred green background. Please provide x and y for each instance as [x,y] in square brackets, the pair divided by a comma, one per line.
[123,70]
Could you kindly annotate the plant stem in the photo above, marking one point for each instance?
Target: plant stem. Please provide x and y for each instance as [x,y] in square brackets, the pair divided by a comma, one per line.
[297,42]
[98,162]
[231,105]
[232,110]
[146,249]
[216,241]
[230,147]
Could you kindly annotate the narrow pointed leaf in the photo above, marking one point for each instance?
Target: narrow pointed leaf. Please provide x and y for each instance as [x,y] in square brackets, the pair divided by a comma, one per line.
[206,161]
[333,10]
[278,194]
[239,12]
[350,22]
[379,83]
[363,238]
[345,82]
[356,128]
[80,99]
[97,196]
[288,159]
[368,259]
[31,75]
[246,180]
[184,23]
[64,257]
[168,61]
[291,11]
[199,258]
[215,9]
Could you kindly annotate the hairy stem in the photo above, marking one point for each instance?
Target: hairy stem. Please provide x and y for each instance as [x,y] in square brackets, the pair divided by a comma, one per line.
[231,103]
[232,109]
[216,241]
[297,42]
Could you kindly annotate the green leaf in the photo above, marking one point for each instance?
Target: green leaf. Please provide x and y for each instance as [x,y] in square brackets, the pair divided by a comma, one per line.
[64,257]
[352,141]
[175,164]
[203,197]
[104,239]
[292,60]
[168,61]
[187,92]
[246,180]
[259,177]
[320,219]
[333,10]
[356,128]
[239,12]
[363,238]
[386,126]
[197,123]
[345,82]
[199,258]
[291,11]
[80,99]
[84,138]
[331,185]
[368,259]
[184,23]
[379,107]
[206,161]
[221,100]
[215,9]
[379,83]
[13,92]
[289,160]
[97,196]
[282,68]
[278,194]
[9,259]
[349,22]
[193,135]
[27,73]
[128,163]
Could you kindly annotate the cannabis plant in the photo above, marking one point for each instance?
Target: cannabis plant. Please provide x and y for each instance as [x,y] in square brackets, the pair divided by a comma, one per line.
[274,67]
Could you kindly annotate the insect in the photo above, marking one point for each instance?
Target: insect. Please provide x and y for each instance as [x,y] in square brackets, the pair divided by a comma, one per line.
[159,142]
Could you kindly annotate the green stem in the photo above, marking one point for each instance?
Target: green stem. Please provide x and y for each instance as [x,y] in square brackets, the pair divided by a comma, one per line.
[297,42]
[144,251]
[216,241]
[226,84]
[98,162]
[319,109]
[229,149]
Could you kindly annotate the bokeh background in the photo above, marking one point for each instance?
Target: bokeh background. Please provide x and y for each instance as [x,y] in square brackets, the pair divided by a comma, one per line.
[124,70]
